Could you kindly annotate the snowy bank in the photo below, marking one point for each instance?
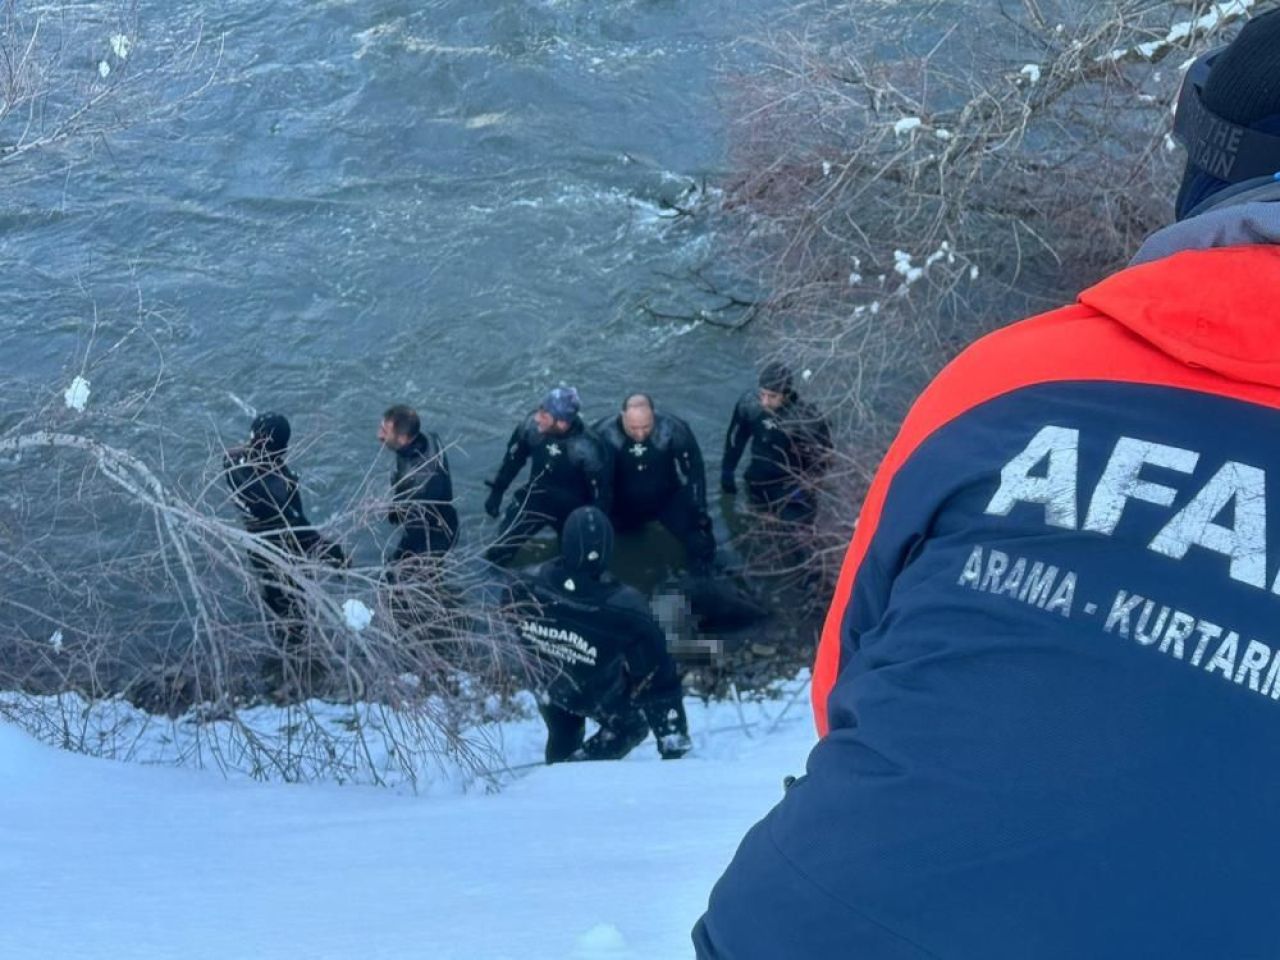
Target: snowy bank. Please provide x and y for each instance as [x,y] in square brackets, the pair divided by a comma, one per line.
[104,859]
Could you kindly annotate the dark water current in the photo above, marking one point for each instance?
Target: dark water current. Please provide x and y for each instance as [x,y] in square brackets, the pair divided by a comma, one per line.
[452,204]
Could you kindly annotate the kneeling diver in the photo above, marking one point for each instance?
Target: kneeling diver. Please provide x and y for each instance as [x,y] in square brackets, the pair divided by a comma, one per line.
[606,657]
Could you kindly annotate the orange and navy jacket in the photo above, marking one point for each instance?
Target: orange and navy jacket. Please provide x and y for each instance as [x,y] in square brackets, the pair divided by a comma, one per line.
[1048,688]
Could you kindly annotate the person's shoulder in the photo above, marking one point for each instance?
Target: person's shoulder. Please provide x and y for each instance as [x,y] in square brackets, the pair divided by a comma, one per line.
[235,458]
[277,483]
[608,430]
[431,446]
[586,441]
[1056,345]
[804,411]
[1061,344]
[523,591]
[526,430]
[550,574]
[749,404]
[628,599]
[677,428]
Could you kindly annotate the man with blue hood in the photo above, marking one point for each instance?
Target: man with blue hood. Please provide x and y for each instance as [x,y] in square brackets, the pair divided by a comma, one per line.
[1048,688]
[569,467]
[602,656]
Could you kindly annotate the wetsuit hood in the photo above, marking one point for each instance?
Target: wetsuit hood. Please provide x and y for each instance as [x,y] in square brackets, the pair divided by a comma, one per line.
[270,432]
[586,542]
[776,377]
[1208,308]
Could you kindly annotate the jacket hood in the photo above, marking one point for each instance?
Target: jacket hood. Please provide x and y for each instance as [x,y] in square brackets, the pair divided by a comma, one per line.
[586,542]
[1214,309]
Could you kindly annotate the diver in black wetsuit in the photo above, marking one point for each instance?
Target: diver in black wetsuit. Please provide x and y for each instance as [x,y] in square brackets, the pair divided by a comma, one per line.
[790,449]
[658,474]
[421,489]
[266,493]
[606,655]
[568,468]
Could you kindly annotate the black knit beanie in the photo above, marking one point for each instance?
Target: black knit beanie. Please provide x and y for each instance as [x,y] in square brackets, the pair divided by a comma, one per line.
[1244,88]
[1244,84]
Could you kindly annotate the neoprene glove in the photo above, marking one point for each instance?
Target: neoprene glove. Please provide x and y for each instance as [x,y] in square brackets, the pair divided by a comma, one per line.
[727,483]
[493,503]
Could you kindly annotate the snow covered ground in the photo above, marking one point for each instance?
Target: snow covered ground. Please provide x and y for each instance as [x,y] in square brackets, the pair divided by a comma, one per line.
[101,859]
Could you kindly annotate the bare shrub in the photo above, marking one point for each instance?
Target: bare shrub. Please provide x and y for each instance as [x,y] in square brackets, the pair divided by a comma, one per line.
[910,175]
[167,615]
[132,614]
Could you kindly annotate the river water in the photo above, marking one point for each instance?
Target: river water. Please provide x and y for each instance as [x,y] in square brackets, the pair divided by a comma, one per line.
[452,204]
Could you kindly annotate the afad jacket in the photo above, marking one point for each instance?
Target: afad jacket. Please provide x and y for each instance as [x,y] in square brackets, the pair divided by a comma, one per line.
[1048,688]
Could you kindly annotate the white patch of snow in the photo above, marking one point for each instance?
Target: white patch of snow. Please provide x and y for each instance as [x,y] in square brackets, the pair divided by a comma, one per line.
[121,45]
[118,841]
[602,940]
[906,125]
[357,615]
[826,168]
[76,396]
[973,272]
[943,134]
[55,641]
[104,69]
[902,265]
[1032,72]
[943,251]
[1216,16]
[855,278]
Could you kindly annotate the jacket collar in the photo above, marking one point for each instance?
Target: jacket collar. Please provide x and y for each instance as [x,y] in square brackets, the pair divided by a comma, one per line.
[1232,225]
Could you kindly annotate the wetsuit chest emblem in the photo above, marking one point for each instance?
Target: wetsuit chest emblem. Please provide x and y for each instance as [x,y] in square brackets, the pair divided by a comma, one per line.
[770,424]
[553,449]
[638,450]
